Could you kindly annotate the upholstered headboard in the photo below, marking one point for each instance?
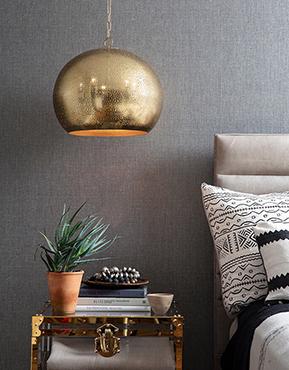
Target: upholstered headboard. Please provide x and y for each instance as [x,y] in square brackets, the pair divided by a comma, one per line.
[253,164]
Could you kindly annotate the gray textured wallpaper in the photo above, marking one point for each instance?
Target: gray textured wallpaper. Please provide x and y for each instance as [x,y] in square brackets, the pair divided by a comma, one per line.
[224,68]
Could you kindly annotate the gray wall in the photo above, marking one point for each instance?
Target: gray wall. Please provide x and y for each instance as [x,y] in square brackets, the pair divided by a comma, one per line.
[224,68]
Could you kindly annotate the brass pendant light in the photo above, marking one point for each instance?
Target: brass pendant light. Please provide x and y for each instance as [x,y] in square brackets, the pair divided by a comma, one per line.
[107,92]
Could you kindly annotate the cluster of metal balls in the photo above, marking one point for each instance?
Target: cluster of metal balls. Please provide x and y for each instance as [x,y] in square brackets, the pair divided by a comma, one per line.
[118,275]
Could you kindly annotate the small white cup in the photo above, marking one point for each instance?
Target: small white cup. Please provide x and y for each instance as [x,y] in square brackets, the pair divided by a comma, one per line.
[160,302]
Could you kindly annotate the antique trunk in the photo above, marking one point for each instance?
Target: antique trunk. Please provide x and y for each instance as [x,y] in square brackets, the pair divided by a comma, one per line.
[119,341]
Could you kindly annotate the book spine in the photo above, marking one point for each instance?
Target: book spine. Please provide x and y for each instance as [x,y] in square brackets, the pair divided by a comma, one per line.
[114,313]
[112,295]
[102,301]
[119,293]
[113,308]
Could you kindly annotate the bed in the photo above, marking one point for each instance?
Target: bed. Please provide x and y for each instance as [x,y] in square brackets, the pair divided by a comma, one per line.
[257,164]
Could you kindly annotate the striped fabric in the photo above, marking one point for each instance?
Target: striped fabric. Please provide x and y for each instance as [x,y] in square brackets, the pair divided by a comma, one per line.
[273,243]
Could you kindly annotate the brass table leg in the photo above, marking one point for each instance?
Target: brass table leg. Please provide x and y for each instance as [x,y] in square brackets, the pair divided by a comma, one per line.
[35,334]
[34,354]
[178,328]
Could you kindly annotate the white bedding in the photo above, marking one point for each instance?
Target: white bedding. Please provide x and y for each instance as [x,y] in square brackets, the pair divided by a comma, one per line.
[270,345]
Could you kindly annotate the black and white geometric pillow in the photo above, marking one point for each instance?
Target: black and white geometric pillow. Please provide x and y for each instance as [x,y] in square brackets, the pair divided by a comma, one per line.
[231,216]
[273,242]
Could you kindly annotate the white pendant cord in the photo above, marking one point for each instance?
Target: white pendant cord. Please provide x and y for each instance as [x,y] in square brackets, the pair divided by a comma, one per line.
[108,41]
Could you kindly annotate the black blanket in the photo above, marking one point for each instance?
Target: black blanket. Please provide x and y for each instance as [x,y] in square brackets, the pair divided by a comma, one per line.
[237,353]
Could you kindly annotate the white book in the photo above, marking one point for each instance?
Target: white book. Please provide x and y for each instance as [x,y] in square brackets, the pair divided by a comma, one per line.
[114,313]
[112,301]
[113,308]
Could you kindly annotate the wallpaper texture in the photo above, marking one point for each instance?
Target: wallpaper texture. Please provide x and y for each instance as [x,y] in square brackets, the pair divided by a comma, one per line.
[224,68]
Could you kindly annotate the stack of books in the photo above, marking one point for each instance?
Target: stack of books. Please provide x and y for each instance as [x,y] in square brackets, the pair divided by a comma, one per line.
[95,299]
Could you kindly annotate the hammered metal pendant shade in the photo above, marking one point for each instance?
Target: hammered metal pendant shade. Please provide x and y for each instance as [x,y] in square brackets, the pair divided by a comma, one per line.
[107,92]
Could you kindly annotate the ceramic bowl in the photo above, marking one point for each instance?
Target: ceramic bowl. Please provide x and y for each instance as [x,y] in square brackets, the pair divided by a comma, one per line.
[160,302]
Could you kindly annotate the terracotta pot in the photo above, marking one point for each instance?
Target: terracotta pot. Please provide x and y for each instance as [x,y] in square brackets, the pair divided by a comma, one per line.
[64,290]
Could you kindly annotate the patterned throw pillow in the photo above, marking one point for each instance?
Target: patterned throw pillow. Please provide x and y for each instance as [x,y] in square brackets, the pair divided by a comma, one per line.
[273,242]
[231,216]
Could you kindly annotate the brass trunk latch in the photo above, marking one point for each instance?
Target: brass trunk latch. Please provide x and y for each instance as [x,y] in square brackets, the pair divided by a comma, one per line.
[107,344]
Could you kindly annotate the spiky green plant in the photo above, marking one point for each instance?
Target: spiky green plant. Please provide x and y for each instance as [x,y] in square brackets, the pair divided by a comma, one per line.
[74,242]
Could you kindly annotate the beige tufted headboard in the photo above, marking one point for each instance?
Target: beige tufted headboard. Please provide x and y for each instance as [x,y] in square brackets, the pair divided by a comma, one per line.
[253,164]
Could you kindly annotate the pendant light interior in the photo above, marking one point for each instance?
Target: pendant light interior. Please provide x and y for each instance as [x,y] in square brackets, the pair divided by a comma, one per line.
[111,132]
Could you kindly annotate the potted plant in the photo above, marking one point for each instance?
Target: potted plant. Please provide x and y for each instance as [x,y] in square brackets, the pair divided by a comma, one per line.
[75,241]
